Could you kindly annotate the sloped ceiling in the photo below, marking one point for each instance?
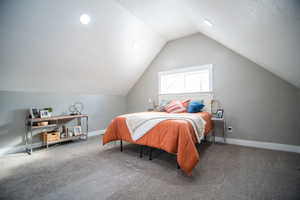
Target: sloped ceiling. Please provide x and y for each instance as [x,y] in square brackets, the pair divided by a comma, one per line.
[265,31]
[45,48]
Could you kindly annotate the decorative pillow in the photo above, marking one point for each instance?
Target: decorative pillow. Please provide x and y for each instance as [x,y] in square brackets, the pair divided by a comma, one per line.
[195,107]
[175,107]
[162,105]
[185,103]
[199,101]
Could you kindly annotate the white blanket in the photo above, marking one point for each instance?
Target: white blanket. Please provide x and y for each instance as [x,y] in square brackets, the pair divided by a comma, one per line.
[140,123]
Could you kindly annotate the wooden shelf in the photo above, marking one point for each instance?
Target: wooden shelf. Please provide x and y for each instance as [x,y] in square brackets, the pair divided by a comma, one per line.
[47,126]
[54,118]
[67,139]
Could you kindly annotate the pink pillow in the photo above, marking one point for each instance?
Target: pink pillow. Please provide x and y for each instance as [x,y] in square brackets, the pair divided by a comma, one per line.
[185,103]
[175,107]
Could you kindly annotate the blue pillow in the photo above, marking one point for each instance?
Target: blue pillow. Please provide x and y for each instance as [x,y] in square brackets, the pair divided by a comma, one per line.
[195,107]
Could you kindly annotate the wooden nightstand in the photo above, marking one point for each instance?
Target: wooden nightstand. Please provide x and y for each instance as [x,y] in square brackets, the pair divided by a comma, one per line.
[219,120]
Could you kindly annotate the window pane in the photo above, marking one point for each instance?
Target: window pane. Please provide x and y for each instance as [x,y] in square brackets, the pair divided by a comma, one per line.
[192,83]
[186,81]
[173,83]
[197,81]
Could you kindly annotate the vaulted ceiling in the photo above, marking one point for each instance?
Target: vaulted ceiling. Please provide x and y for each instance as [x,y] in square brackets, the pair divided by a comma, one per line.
[45,38]
[265,31]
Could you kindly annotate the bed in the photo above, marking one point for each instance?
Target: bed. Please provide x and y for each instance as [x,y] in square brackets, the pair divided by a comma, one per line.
[174,136]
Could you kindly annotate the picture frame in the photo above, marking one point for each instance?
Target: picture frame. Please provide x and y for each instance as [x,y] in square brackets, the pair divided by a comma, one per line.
[50,110]
[220,113]
[76,130]
[44,114]
[34,113]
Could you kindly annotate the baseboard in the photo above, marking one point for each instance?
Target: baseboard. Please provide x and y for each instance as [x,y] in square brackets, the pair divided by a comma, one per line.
[97,132]
[248,143]
[263,145]
[21,148]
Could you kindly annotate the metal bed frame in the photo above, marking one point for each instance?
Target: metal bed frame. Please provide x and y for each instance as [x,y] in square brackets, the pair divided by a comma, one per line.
[152,148]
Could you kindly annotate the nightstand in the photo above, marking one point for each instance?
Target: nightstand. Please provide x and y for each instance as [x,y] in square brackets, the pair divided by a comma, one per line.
[219,120]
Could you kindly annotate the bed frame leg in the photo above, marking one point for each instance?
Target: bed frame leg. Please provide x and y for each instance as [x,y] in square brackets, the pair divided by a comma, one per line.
[121,145]
[178,167]
[141,151]
[150,154]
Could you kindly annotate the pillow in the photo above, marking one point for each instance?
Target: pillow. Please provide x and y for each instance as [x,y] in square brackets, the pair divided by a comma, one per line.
[185,103]
[162,105]
[175,107]
[195,107]
[199,101]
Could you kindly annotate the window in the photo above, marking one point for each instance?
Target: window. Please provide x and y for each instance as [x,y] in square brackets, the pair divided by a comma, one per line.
[186,80]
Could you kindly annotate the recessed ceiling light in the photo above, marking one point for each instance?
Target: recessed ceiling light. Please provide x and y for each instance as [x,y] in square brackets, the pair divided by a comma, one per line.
[208,23]
[135,44]
[85,19]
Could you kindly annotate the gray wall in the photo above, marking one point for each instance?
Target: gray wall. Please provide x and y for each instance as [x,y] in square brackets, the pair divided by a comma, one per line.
[14,108]
[49,59]
[258,105]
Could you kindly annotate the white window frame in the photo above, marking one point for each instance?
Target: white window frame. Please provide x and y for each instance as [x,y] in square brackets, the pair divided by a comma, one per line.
[188,69]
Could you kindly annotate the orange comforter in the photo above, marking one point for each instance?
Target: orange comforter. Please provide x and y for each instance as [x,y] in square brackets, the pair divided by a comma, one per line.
[174,136]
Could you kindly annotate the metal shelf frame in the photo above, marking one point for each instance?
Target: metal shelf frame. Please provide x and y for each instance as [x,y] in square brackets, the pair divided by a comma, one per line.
[57,119]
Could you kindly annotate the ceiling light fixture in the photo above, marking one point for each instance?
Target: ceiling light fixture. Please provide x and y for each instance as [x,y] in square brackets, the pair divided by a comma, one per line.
[208,23]
[135,44]
[85,19]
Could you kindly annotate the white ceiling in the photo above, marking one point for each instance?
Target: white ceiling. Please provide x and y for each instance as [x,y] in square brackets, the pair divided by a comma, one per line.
[45,38]
[265,31]
[44,47]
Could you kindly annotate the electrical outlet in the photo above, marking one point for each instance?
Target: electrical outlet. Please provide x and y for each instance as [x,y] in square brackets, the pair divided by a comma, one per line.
[229,129]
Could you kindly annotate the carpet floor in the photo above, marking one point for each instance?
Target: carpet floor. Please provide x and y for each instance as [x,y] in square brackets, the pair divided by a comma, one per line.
[88,170]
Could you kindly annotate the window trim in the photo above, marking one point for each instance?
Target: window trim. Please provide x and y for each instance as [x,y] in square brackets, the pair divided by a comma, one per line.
[187,69]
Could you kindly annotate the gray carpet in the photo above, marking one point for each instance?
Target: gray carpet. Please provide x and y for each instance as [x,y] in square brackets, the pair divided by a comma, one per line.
[86,170]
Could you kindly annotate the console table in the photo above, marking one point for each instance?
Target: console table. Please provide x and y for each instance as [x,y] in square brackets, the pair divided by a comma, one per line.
[31,125]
